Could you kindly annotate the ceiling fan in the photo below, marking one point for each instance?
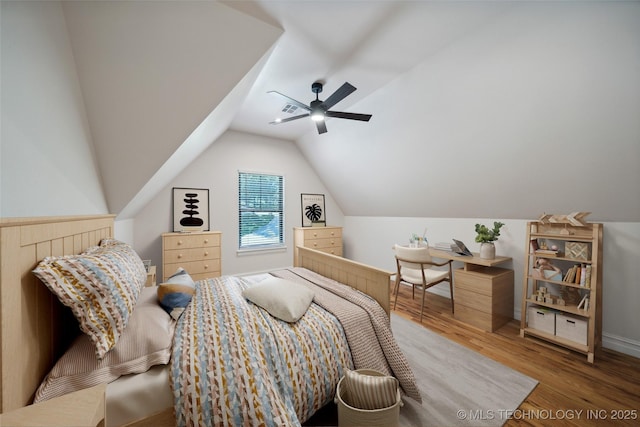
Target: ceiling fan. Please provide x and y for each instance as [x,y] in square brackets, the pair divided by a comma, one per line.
[319,110]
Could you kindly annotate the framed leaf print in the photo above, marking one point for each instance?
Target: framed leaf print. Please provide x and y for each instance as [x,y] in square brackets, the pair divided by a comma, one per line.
[313,213]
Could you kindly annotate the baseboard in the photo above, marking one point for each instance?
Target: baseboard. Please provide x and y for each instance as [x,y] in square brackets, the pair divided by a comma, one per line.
[621,344]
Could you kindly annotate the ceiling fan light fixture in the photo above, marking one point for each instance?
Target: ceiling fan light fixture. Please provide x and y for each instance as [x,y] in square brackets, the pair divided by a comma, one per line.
[317,116]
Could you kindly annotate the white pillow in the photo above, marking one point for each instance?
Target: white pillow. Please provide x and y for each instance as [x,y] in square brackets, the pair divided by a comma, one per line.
[282,298]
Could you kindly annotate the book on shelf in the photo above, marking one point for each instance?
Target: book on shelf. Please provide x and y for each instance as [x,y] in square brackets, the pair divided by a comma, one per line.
[584,302]
[534,245]
[583,275]
[587,279]
[571,275]
[547,252]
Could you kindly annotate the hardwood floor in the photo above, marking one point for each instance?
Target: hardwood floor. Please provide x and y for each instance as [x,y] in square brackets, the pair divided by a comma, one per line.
[570,392]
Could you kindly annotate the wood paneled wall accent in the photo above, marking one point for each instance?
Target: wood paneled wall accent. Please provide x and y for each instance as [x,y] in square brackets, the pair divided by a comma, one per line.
[369,280]
[35,328]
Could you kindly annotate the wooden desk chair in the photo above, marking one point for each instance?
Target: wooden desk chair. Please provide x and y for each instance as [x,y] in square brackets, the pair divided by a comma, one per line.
[415,266]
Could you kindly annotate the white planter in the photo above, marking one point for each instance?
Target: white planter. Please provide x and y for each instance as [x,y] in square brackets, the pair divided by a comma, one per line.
[487,251]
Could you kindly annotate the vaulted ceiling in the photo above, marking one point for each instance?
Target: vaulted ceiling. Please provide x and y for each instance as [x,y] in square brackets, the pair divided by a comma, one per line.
[480,109]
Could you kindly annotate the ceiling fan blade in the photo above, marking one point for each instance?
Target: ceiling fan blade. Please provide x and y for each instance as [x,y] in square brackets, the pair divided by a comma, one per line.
[322,126]
[275,122]
[350,116]
[343,91]
[291,100]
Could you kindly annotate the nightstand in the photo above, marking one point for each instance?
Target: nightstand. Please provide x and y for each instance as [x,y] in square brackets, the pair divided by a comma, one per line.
[151,276]
[83,408]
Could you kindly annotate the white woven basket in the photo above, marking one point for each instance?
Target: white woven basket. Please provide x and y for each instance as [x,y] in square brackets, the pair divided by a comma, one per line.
[348,416]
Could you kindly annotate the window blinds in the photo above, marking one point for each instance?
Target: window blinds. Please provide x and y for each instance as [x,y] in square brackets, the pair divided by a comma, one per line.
[261,210]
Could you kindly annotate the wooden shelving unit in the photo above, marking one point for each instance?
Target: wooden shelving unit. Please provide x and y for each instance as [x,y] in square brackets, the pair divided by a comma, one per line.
[560,234]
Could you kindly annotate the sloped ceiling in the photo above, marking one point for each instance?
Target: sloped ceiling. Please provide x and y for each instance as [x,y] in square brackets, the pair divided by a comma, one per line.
[480,109]
[535,112]
[150,73]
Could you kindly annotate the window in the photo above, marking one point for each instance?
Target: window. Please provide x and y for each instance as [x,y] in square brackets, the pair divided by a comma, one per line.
[261,210]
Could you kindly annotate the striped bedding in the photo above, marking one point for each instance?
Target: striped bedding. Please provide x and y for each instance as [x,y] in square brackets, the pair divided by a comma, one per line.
[365,323]
[234,364]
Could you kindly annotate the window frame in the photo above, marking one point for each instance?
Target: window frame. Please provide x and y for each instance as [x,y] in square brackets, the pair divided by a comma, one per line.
[277,246]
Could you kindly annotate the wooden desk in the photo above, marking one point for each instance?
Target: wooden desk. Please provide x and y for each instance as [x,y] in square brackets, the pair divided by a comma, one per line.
[483,292]
[470,262]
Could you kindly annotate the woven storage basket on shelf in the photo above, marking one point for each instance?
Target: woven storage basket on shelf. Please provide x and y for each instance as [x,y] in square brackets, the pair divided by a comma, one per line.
[348,416]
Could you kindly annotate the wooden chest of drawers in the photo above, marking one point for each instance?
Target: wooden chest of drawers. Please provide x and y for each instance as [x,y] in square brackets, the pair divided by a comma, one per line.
[198,253]
[325,239]
[484,297]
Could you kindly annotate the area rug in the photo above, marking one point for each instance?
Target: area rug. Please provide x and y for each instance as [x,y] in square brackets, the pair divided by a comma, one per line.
[459,387]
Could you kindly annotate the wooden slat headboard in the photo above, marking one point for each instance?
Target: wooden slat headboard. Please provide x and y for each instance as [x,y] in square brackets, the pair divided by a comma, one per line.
[33,330]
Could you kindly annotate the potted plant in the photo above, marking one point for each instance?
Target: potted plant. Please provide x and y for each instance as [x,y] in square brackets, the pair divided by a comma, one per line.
[486,236]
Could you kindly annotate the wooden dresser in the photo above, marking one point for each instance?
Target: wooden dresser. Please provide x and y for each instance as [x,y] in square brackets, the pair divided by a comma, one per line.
[198,253]
[325,239]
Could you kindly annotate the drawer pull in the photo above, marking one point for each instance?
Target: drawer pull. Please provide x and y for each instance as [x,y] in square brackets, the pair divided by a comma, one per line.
[333,243]
[315,234]
[206,266]
[315,243]
[206,253]
[179,242]
[206,241]
[179,256]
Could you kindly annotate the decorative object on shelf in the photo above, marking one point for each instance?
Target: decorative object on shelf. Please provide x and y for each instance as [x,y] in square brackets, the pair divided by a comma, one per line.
[571,296]
[541,248]
[190,209]
[575,218]
[313,213]
[577,250]
[545,270]
[486,236]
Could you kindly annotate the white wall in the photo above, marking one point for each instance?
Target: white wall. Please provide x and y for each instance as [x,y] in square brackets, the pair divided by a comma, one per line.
[47,160]
[217,169]
[369,240]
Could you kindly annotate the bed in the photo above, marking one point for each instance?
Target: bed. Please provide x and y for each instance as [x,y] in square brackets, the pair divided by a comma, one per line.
[34,323]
